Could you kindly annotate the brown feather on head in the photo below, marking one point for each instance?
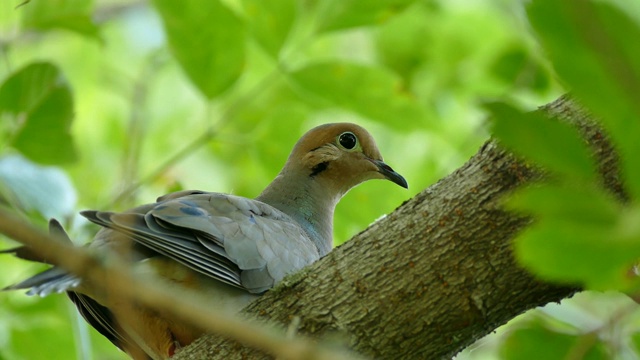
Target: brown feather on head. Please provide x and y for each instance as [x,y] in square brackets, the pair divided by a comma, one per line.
[342,155]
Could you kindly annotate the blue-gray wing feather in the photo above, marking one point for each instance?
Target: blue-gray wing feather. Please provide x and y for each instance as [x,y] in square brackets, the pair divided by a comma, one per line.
[239,241]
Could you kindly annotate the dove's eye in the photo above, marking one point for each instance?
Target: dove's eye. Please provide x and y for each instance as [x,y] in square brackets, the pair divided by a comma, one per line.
[348,140]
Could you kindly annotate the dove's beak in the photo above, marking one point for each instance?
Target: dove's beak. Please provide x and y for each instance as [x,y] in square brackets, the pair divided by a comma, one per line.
[390,174]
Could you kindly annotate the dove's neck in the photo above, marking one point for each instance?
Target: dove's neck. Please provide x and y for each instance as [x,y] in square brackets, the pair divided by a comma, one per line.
[307,202]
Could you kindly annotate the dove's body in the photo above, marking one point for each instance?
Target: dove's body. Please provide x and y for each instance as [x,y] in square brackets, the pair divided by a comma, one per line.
[229,247]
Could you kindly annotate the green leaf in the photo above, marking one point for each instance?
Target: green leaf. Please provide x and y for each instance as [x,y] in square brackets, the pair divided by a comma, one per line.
[40,96]
[566,203]
[344,14]
[517,67]
[46,190]
[588,43]
[399,42]
[207,39]
[510,64]
[596,255]
[46,136]
[369,91]
[552,144]
[635,339]
[27,87]
[270,22]
[73,15]
[537,342]
[581,235]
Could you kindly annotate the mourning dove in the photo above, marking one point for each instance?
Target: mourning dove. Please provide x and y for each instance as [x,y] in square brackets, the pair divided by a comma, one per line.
[229,247]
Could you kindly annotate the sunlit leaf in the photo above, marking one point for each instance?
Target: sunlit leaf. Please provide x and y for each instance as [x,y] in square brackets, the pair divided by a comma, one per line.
[270,22]
[73,15]
[552,144]
[369,91]
[39,96]
[207,39]
[588,42]
[344,14]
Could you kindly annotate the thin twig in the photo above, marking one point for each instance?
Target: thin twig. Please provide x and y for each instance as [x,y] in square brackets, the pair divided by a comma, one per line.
[25,2]
[184,152]
[201,140]
[136,129]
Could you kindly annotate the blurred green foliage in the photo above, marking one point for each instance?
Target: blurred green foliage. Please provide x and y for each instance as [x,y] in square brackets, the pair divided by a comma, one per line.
[130,100]
[583,235]
[37,97]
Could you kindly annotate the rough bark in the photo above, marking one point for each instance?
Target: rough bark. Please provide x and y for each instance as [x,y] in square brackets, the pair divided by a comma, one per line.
[432,277]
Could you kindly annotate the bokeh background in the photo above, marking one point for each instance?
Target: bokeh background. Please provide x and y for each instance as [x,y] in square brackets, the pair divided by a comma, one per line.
[145,117]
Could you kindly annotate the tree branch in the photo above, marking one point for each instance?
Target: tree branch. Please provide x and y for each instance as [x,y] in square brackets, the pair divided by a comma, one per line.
[432,277]
[424,282]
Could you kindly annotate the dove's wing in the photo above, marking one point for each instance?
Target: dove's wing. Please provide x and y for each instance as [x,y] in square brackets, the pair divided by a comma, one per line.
[239,241]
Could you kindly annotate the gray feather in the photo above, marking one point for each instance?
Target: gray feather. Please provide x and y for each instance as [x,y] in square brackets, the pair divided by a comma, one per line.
[241,242]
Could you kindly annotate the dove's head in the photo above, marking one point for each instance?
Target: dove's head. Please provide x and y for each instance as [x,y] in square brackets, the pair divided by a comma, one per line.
[341,156]
[324,164]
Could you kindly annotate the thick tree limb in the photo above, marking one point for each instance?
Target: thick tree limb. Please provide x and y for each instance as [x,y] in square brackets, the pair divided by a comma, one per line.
[432,277]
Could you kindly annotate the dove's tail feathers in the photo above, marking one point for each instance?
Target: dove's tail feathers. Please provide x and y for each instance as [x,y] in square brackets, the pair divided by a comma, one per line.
[26,253]
[101,318]
[54,280]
